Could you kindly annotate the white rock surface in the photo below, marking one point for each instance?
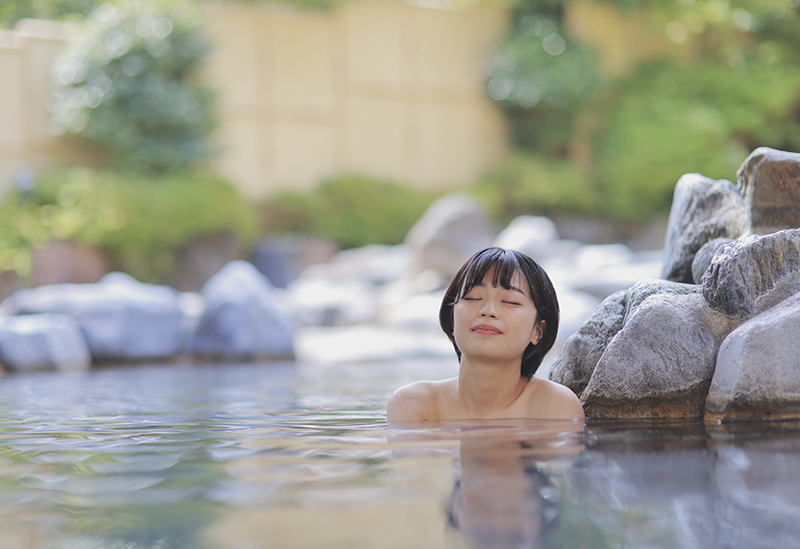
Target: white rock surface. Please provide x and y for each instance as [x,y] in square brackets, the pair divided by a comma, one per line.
[121,318]
[244,316]
[46,341]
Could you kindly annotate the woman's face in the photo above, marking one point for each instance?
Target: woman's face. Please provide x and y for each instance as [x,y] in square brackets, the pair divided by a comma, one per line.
[495,323]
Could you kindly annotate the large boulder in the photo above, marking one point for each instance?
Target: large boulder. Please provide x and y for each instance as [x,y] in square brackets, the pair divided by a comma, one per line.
[758,367]
[575,364]
[121,318]
[645,352]
[754,273]
[702,209]
[769,180]
[659,365]
[243,317]
[448,233]
[43,342]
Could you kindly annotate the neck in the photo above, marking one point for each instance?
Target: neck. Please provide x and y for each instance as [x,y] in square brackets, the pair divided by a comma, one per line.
[487,388]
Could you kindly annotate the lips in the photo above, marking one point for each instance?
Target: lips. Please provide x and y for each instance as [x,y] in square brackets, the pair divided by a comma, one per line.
[485,329]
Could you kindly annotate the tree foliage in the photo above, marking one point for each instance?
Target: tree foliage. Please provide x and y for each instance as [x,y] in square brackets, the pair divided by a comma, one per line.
[730,82]
[353,210]
[140,221]
[125,83]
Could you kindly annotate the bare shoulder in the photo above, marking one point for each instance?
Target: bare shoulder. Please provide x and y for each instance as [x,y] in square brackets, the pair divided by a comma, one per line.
[555,401]
[415,402]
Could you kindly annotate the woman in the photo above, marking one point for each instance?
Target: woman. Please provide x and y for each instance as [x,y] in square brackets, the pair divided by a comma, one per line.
[501,313]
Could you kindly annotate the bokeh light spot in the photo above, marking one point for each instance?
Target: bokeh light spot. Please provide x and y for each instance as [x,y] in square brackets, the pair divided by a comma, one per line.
[500,88]
[677,32]
[554,44]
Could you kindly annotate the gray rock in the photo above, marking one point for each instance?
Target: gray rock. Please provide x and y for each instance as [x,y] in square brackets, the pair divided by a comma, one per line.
[448,233]
[659,365]
[43,342]
[769,180]
[243,317]
[702,210]
[121,318]
[581,352]
[575,364]
[754,273]
[643,289]
[534,236]
[702,259]
[758,367]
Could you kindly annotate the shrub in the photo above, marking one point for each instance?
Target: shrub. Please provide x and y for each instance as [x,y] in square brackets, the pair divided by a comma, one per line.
[125,84]
[672,119]
[701,108]
[140,221]
[528,184]
[354,211]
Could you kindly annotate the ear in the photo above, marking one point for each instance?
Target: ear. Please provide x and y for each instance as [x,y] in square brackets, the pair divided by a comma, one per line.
[538,331]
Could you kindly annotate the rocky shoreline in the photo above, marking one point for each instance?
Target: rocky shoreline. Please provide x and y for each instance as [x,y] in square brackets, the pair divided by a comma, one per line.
[717,338]
[709,331]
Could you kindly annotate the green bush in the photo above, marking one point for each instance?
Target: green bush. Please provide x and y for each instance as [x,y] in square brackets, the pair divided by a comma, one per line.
[141,222]
[671,119]
[734,87]
[540,77]
[126,85]
[354,211]
[527,184]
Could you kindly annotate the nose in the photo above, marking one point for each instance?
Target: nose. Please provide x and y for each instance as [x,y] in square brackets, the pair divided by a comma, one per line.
[488,309]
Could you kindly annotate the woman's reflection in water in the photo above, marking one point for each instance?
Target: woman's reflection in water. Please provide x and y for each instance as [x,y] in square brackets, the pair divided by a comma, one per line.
[503,497]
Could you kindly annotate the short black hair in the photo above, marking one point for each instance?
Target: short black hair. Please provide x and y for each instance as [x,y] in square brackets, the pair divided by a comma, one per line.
[505,264]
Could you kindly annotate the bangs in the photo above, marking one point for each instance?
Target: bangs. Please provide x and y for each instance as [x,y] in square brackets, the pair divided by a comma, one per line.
[505,265]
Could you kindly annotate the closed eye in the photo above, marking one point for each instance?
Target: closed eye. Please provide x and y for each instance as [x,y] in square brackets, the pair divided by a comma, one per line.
[512,303]
[470,298]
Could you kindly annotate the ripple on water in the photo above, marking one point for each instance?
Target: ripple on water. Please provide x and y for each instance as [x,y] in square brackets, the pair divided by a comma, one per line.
[283,455]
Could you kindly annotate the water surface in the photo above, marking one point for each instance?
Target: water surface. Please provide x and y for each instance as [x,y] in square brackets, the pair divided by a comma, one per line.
[299,455]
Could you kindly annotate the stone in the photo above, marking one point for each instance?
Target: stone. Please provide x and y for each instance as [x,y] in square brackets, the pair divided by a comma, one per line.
[121,318]
[753,273]
[757,374]
[46,341]
[450,231]
[702,259]
[244,317]
[702,209]
[576,362]
[531,235]
[769,181]
[658,366]
[348,290]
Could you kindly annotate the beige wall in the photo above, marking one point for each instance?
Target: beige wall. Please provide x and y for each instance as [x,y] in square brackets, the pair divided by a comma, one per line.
[379,87]
[26,56]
